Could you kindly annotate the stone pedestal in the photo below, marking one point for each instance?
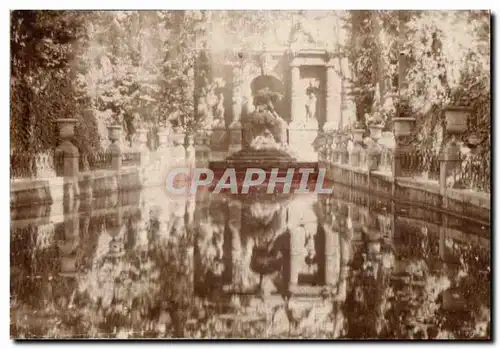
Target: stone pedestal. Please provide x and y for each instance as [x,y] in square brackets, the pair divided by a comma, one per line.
[357,149]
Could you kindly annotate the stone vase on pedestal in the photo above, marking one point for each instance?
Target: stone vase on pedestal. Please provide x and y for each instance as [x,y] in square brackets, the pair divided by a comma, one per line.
[114,134]
[66,153]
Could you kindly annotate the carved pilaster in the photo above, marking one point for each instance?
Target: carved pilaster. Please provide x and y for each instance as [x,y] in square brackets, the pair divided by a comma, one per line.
[333,102]
[296,107]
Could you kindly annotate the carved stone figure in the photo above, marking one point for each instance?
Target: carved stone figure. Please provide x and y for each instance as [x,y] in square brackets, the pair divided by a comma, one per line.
[264,128]
[311,104]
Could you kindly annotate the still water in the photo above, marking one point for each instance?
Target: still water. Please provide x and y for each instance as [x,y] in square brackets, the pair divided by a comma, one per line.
[146,265]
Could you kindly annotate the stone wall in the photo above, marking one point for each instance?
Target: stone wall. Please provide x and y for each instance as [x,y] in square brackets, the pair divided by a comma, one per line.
[415,197]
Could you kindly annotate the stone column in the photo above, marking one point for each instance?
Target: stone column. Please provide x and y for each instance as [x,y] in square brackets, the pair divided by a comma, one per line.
[235,126]
[333,98]
[403,145]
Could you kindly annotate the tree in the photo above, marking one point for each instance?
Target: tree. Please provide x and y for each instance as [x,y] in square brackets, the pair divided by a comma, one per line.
[44,45]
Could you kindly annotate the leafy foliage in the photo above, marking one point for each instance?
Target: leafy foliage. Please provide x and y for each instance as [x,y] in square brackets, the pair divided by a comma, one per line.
[43,52]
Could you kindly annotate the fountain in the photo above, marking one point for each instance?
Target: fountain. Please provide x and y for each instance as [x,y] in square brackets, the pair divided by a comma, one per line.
[264,135]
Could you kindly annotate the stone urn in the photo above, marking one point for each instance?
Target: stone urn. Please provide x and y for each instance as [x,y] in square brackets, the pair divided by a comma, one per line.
[66,127]
[375,132]
[114,132]
[403,126]
[456,119]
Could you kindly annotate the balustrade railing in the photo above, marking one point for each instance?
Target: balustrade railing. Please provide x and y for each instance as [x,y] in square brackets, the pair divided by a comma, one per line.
[30,165]
[476,172]
[421,163]
[473,171]
[131,158]
[95,161]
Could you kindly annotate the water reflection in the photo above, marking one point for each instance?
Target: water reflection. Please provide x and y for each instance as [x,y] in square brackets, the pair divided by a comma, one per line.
[222,266]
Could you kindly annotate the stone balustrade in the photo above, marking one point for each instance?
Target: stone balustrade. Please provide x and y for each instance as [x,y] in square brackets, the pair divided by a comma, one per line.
[66,175]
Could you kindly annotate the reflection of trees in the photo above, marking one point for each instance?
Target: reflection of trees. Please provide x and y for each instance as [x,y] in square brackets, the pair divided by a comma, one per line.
[396,289]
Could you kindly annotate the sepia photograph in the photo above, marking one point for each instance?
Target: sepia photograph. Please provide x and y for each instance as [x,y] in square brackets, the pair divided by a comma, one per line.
[250,174]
